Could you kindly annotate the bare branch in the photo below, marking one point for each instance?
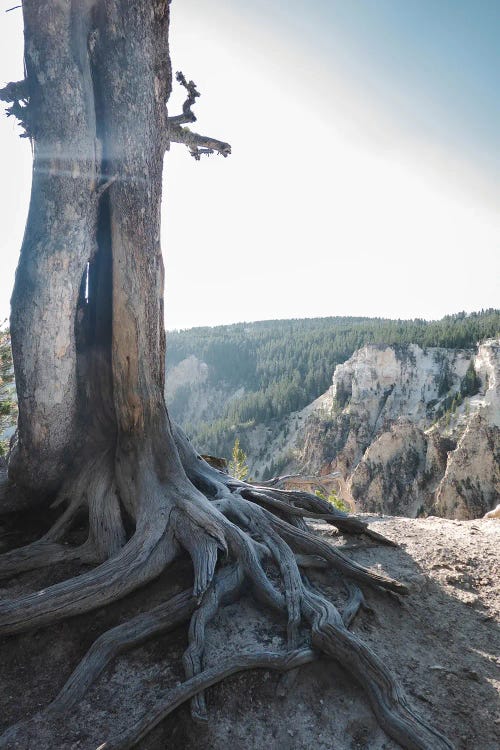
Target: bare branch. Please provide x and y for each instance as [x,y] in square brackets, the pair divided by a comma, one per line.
[300,479]
[105,185]
[197,144]
[187,114]
[17,94]
[15,91]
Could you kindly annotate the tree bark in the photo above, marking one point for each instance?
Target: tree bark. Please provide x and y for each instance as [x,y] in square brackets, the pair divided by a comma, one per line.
[59,240]
[69,328]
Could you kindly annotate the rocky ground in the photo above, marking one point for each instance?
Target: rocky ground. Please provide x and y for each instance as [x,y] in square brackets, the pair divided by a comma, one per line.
[442,641]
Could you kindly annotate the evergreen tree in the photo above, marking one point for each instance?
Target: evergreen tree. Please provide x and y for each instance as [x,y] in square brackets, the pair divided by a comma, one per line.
[238,464]
[470,383]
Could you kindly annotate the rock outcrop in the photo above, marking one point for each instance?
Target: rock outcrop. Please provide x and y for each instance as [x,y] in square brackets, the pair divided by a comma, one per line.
[471,483]
[400,470]
[380,384]
[412,431]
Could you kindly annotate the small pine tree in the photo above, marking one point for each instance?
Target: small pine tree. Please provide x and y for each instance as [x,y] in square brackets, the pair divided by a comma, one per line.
[337,502]
[334,499]
[238,467]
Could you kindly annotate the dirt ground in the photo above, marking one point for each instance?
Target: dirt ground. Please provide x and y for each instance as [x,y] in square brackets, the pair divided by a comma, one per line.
[442,641]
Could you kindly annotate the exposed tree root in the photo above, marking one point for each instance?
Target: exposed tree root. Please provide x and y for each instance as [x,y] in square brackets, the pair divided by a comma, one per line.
[223,590]
[94,490]
[141,560]
[306,542]
[175,697]
[355,602]
[256,530]
[387,699]
[294,505]
[42,554]
[311,506]
[48,550]
[123,637]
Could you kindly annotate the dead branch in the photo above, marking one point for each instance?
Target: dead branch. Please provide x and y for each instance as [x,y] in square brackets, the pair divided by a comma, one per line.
[187,113]
[196,143]
[16,93]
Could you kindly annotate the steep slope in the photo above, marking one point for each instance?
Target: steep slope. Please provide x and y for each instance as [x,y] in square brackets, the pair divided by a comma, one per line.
[400,470]
[471,483]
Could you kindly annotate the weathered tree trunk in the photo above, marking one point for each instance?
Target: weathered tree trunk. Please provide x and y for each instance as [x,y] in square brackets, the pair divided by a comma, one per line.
[89,357]
[59,240]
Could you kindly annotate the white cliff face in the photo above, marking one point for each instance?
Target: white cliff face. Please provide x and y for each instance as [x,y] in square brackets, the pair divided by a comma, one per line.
[191,396]
[399,470]
[190,371]
[412,430]
[384,383]
[487,367]
[471,483]
[380,384]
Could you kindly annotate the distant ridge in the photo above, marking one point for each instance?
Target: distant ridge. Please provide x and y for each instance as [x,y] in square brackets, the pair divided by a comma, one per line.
[239,375]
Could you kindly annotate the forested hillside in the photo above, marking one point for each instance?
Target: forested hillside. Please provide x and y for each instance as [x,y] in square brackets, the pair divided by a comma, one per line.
[278,366]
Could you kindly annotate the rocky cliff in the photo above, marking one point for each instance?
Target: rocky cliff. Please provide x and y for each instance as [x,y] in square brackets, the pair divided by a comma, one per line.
[412,431]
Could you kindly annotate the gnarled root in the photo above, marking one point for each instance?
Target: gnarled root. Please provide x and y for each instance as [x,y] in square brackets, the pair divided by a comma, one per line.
[306,542]
[292,505]
[116,641]
[223,590]
[387,699]
[175,697]
[141,560]
[94,490]
[41,554]
[355,602]
[263,536]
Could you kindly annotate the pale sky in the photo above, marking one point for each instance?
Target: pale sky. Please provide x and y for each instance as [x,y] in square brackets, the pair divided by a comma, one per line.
[362,180]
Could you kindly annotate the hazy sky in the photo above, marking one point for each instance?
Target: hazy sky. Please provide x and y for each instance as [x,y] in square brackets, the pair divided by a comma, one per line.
[366,145]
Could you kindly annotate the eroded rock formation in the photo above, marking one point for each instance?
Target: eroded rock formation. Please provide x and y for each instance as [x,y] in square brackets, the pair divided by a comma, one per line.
[412,431]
